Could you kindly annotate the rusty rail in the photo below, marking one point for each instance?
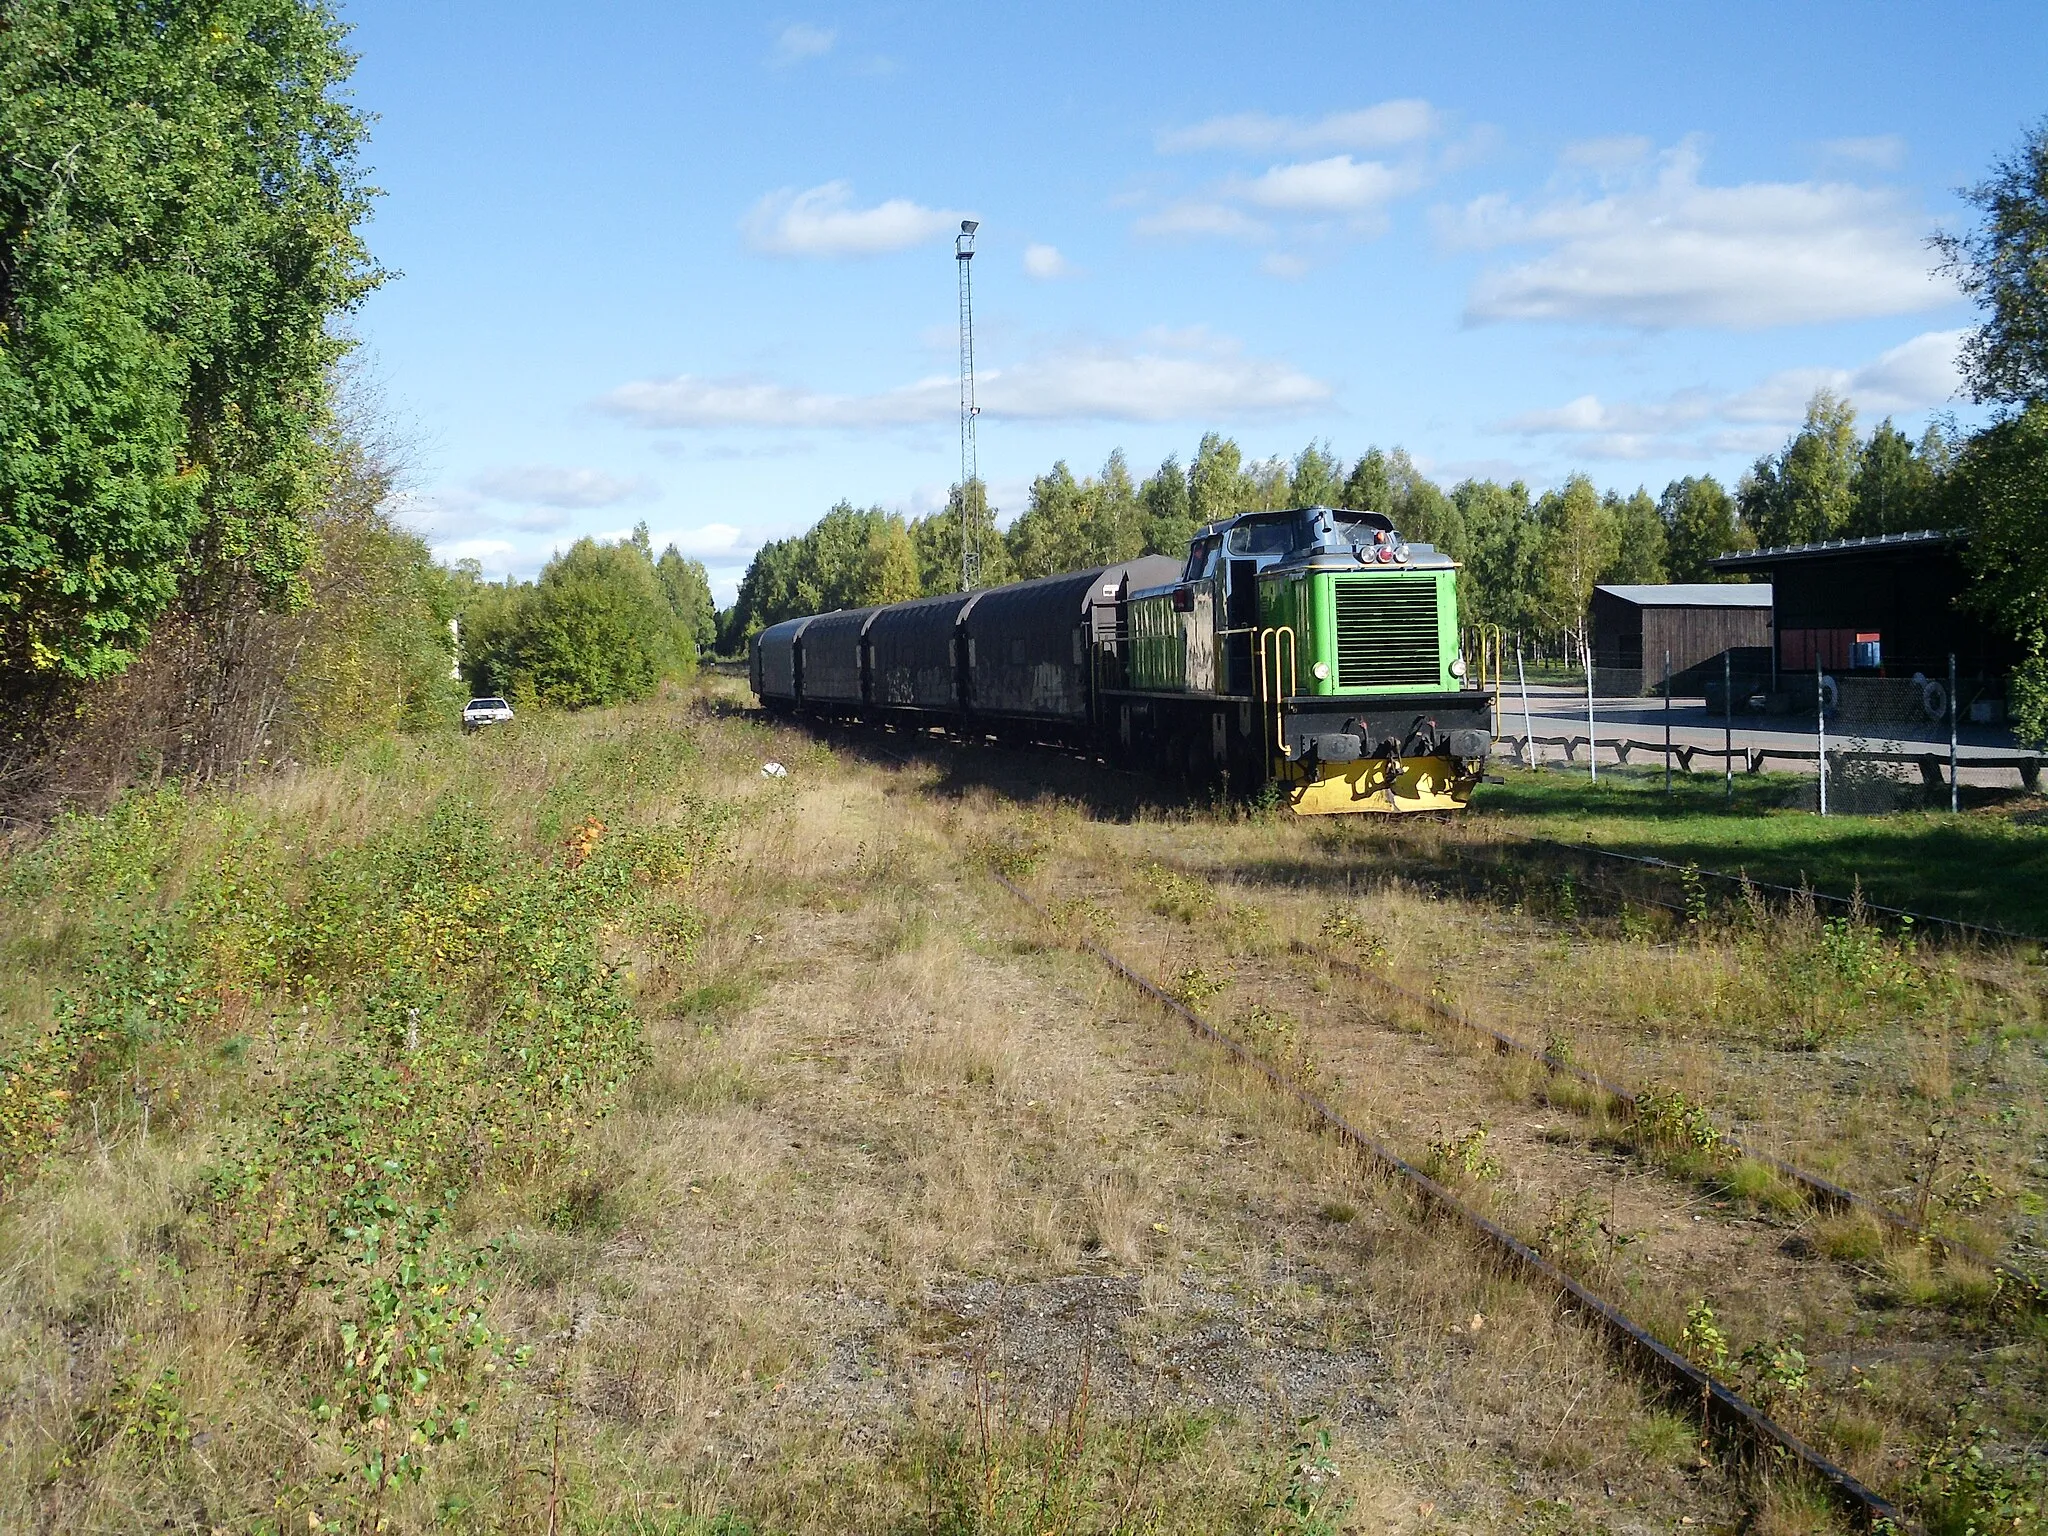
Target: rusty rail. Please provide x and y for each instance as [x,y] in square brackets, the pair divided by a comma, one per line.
[1721,1404]
[1820,1190]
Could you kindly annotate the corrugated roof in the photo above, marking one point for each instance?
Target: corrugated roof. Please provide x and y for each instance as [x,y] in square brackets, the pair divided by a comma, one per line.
[1875,542]
[1694,594]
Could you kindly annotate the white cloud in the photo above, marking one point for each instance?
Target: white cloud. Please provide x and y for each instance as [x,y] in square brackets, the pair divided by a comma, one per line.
[1669,251]
[546,485]
[1615,152]
[689,401]
[1912,376]
[1045,262]
[1284,264]
[1168,380]
[1377,127]
[1336,185]
[1886,151]
[1917,375]
[1182,220]
[822,221]
[800,41]
[1163,377]
[1585,414]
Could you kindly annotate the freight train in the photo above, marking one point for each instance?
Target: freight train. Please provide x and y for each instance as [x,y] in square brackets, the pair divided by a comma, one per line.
[1313,650]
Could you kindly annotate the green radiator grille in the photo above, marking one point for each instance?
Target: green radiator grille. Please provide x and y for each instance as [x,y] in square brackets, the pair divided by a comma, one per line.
[1387,634]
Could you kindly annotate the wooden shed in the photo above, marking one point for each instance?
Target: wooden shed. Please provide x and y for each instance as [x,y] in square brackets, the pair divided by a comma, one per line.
[1636,627]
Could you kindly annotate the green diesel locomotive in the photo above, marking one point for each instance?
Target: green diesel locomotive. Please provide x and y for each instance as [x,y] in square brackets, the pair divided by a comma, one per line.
[1312,649]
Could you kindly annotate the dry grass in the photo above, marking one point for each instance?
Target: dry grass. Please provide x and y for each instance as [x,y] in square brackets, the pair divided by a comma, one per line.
[1925,1093]
[913,1219]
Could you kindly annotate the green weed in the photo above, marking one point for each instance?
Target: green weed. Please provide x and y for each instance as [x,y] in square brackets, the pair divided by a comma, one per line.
[1666,1118]
[1705,1345]
[1185,898]
[1307,1504]
[1278,1040]
[1350,935]
[1195,986]
[1970,1485]
[1464,1153]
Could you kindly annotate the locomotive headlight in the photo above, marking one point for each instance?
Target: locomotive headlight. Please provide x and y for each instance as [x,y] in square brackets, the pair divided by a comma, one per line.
[1322,671]
[1458,667]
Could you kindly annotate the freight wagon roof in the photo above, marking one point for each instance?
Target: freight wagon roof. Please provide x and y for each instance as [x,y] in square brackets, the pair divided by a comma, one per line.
[841,618]
[918,612]
[1035,595]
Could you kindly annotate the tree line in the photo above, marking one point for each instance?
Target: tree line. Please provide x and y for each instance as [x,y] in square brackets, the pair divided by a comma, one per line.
[1531,561]
[200,570]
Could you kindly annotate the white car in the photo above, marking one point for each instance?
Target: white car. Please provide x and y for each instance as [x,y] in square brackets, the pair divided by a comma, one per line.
[478,713]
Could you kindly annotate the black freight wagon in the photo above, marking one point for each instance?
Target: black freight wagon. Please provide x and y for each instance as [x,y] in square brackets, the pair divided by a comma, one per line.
[1020,660]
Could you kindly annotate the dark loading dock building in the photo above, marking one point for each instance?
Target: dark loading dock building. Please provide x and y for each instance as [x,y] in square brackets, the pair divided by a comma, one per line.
[1883,607]
[1636,627]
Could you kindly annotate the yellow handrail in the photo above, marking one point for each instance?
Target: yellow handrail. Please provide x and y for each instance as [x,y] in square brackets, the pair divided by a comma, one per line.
[1496,653]
[1279,696]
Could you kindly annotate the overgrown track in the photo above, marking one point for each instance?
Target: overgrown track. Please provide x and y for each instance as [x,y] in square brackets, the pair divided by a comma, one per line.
[1769,1250]
[1823,1192]
[1724,1408]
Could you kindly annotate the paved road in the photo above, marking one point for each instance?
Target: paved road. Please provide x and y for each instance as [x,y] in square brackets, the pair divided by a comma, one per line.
[1559,711]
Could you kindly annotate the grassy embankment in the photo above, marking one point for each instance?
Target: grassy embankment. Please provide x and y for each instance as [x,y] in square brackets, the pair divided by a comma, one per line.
[570,1129]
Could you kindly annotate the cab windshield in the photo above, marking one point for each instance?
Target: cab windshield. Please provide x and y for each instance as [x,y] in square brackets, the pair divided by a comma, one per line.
[1358,528]
[1264,536]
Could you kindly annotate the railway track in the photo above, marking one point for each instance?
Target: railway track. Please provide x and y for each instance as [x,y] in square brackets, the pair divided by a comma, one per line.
[1600,1203]
[1822,1192]
[1723,1408]
[1903,1343]
[1636,1103]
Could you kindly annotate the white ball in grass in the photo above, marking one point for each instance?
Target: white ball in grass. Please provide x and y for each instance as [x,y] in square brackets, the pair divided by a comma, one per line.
[774,771]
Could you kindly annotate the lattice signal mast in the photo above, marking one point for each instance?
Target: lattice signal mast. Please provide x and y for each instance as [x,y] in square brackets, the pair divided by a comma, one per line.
[970,469]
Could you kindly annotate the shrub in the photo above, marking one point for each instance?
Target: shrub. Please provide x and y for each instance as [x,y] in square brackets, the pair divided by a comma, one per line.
[596,628]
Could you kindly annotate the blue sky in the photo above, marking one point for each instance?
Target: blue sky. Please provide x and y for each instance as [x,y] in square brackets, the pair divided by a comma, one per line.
[692,264]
